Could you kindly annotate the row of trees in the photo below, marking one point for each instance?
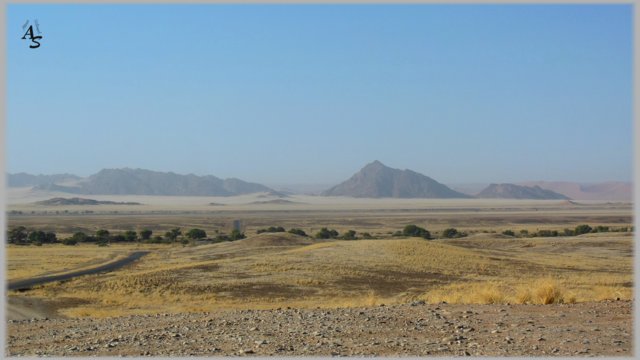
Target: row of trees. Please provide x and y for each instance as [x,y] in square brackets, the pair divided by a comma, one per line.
[326,233]
[578,230]
[22,236]
[277,229]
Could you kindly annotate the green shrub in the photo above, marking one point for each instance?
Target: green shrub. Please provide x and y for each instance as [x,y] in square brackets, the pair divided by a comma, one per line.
[221,238]
[298,232]
[600,228]
[69,241]
[236,235]
[145,234]
[450,233]
[173,234]
[509,233]
[196,234]
[349,235]
[325,233]
[547,233]
[416,231]
[130,236]
[154,240]
[271,229]
[582,229]
[81,237]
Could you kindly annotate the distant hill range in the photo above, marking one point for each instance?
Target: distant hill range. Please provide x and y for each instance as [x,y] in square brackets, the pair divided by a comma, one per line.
[80,201]
[376,180]
[146,182]
[611,190]
[512,191]
[24,179]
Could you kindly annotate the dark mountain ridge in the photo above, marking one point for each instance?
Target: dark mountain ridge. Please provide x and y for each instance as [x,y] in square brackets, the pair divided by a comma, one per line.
[128,181]
[24,179]
[512,191]
[82,201]
[376,180]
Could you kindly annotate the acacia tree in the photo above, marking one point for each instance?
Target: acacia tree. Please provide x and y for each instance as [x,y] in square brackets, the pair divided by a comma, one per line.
[173,234]
[582,229]
[146,234]
[413,230]
[349,235]
[37,236]
[130,235]
[236,235]
[81,237]
[450,233]
[17,235]
[325,233]
[50,237]
[196,234]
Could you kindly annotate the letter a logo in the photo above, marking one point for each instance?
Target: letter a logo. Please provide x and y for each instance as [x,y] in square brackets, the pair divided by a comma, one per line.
[34,39]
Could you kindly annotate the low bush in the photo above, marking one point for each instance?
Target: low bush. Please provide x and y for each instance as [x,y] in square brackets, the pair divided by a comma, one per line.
[298,232]
[416,231]
[271,229]
[582,229]
[69,241]
[325,233]
[236,235]
[349,235]
[450,233]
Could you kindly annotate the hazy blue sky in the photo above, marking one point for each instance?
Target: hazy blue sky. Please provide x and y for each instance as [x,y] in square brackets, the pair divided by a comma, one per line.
[310,94]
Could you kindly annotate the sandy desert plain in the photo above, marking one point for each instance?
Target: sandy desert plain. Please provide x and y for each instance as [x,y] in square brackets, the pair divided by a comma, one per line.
[285,294]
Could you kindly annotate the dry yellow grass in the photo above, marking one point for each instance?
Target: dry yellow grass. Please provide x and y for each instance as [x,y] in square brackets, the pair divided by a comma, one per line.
[32,261]
[277,270]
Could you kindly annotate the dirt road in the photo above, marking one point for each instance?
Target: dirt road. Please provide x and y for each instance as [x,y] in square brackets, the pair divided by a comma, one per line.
[29,283]
[19,308]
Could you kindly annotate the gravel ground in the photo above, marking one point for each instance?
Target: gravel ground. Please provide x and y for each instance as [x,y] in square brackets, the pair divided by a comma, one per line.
[418,329]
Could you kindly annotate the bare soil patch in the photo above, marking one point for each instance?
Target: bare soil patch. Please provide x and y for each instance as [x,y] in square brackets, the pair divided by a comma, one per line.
[417,329]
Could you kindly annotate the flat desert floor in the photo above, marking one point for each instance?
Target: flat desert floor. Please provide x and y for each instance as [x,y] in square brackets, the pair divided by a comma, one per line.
[244,297]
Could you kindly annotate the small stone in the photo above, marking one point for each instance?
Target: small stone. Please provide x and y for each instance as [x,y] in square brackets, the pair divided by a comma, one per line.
[448,339]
